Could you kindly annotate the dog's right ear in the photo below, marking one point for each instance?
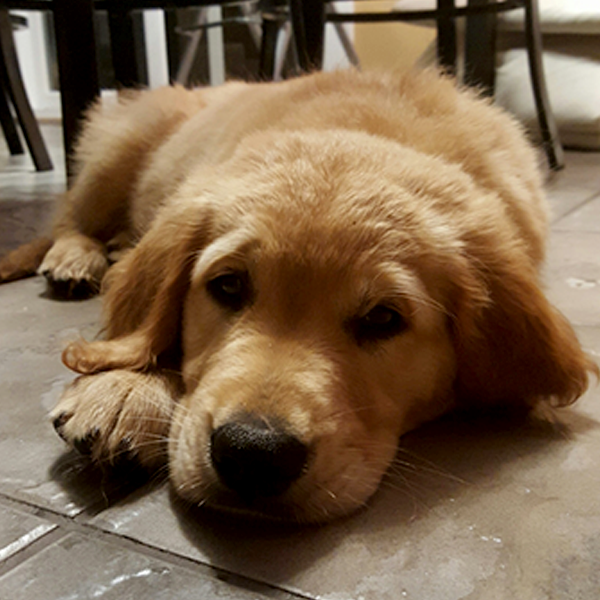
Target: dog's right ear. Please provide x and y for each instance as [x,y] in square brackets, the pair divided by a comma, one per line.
[144,296]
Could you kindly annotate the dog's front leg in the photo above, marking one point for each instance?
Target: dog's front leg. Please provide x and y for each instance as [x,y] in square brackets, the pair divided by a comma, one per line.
[75,265]
[118,415]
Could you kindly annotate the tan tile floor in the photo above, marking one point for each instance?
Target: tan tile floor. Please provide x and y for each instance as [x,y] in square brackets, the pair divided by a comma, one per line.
[481,509]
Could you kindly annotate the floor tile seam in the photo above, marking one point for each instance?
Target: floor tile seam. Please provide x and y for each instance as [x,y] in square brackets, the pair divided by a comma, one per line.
[30,507]
[594,196]
[97,507]
[577,232]
[66,525]
[31,550]
[582,325]
[129,543]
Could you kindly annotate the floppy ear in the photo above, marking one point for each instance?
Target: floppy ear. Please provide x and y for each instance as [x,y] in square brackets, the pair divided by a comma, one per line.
[517,348]
[144,297]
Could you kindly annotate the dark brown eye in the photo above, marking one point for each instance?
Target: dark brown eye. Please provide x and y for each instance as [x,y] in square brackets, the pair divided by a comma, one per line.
[380,323]
[230,290]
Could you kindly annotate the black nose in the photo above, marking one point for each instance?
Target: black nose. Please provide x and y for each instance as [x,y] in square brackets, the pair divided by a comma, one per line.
[255,458]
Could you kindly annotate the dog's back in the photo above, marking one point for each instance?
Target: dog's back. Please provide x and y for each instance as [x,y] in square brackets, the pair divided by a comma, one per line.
[133,157]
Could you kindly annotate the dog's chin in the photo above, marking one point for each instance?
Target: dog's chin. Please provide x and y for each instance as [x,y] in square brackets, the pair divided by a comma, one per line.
[263,509]
[307,501]
[282,509]
[338,478]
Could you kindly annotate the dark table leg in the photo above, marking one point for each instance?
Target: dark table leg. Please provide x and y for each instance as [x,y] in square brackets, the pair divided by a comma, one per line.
[122,45]
[271,25]
[127,48]
[446,39]
[308,23]
[78,71]
[480,50]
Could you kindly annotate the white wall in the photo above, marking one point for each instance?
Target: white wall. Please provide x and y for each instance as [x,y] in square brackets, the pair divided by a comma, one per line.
[31,48]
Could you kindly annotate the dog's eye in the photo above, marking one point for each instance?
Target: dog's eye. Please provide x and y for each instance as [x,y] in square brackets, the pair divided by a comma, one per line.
[230,290]
[380,323]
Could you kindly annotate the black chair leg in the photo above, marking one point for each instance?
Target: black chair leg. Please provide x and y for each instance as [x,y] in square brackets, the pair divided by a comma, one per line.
[446,39]
[78,71]
[308,24]
[549,130]
[13,141]
[480,50]
[16,90]
[268,46]
[130,69]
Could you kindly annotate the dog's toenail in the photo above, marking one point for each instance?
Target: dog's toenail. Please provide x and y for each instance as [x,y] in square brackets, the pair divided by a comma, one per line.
[85,444]
[59,422]
[124,445]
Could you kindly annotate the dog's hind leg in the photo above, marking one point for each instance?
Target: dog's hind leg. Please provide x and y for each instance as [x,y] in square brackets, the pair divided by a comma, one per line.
[24,261]
[115,146]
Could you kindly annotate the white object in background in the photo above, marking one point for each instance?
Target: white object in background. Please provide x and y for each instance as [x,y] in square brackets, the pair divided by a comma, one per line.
[33,59]
[334,54]
[156,48]
[571,31]
[216,53]
[32,49]
[560,16]
[572,68]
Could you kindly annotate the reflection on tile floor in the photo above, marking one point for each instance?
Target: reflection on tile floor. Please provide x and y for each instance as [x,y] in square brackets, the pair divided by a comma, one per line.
[478,509]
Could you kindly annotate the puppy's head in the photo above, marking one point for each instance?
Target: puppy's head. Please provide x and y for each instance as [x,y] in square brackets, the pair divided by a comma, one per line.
[323,296]
[307,352]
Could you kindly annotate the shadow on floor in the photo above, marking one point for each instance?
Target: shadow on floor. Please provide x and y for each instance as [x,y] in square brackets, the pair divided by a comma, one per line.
[23,221]
[98,487]
[440,461]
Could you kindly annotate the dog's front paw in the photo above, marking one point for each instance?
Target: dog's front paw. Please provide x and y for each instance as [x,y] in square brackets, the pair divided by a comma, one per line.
[117,416]
[75,266]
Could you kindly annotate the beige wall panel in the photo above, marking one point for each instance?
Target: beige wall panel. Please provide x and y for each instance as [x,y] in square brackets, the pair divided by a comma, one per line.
[389,45]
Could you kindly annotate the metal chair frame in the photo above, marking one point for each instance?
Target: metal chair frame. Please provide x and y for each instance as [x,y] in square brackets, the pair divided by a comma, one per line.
[76,50]
[309,18]
[13,94]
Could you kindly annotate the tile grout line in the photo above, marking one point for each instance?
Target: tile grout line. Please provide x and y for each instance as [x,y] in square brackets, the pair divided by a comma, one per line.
[66,525]
[32,549]
[595,195]
[50,537]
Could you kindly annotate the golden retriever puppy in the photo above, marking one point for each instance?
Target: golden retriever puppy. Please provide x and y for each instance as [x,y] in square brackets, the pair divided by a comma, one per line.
[316,267]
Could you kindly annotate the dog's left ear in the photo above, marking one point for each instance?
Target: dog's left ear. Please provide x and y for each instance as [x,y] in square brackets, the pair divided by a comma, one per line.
[516,347]
[144,297]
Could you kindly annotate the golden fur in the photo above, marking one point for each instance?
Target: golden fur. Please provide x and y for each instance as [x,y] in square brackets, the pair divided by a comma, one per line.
[387,231]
